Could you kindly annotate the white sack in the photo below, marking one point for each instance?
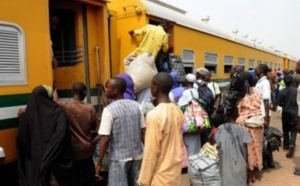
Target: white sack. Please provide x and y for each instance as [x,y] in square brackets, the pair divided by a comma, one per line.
[142,70]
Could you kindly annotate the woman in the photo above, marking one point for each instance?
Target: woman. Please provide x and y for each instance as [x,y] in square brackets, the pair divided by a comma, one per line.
[249,107]
[176,91]
[191,140]
[44,143]
[129,93]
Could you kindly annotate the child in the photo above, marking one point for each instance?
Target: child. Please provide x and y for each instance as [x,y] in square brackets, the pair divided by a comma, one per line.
[231,140]
[287,98]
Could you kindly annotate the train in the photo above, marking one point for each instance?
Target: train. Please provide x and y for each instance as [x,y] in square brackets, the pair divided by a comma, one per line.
[89,42]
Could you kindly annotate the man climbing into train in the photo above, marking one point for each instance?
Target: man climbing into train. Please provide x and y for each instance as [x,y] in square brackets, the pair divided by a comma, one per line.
[155,38]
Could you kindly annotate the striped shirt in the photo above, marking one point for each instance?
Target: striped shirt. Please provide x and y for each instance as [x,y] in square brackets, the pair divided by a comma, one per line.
[154,39]
[82,122]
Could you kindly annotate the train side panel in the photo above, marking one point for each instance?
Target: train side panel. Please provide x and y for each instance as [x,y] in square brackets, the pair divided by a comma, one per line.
[33,18]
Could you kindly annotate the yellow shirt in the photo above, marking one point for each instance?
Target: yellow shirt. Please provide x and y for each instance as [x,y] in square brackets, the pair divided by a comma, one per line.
[162,154]
[154,39]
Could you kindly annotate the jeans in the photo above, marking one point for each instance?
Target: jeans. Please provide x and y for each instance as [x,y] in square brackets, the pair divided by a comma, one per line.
[124,173]
[289,129]
[86,171]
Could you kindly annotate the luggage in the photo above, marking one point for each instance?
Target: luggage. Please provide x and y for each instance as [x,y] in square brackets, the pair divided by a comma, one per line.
[176,65]
[204,170]
[142,70]
[207,96]
[195,117]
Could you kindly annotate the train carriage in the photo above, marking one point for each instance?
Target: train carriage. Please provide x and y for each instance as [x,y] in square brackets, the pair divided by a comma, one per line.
[90,41]
[198,43]
[79,43]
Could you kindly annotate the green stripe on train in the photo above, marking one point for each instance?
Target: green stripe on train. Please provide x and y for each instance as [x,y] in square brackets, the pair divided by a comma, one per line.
[14,122]
[9,123]
[22,99]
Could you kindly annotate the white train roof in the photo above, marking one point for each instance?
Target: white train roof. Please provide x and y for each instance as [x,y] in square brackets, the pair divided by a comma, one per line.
[169,12]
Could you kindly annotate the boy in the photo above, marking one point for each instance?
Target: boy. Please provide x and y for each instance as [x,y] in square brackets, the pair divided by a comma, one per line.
[288,100]
[231,140]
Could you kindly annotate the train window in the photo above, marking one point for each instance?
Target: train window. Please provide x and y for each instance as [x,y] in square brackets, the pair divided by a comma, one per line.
[210,62]
[63,38]
[12,55]
[241,61]
[188,59]
[259,62]
[228,64]
[271,66]
[251,64]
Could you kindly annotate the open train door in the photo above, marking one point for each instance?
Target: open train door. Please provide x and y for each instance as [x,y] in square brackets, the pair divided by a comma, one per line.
[79,37]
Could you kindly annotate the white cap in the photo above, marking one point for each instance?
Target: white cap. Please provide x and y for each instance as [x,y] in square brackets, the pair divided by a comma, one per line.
[2,154]
[190,78]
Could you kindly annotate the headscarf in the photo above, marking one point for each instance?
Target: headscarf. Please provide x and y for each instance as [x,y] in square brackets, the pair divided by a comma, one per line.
[44,142]
[176,90]
[129,93]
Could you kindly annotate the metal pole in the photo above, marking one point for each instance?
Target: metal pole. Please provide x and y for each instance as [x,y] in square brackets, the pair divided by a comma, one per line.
[86,55]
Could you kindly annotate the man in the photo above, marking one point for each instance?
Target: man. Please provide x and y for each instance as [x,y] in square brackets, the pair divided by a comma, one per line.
[297,170]
[214,87]
[189,93]
[287,99]
[122,127]
[296,77]
[201,75]
[54,23]
[206,95]
[162,156]
[82,123]
[272,77]
[263,86]
[154,39]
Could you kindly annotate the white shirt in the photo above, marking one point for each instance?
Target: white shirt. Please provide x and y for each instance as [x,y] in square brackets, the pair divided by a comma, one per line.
[214,87]
[298,99]
[264,88]
[107,122]
[106,126]
[2,154]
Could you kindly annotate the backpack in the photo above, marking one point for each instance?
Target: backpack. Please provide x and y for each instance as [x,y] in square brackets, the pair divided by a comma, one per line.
[176,65]
[195,117]
[207,97]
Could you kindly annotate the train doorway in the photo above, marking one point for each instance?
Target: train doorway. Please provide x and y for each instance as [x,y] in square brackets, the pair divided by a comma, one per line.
[79,36]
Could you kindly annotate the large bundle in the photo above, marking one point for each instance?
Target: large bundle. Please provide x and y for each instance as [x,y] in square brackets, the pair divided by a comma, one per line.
[204,170]
[142,70]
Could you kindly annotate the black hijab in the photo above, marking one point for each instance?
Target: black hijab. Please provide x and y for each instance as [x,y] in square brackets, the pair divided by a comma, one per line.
[44,143]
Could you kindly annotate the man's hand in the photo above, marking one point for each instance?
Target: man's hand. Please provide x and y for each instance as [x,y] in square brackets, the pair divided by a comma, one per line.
[21,112]
[54,63]
[131,32]
[98,169]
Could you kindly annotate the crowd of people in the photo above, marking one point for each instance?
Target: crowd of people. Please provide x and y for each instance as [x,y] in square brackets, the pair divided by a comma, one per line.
[148,137]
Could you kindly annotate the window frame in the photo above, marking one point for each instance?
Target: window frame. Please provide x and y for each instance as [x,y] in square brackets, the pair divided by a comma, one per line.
[244,61]
[188,63]
[250,65]
[21,78]
[228,64]
[211,63]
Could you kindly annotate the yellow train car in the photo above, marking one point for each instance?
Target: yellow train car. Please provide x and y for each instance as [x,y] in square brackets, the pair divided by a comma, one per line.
[75,32]
[199,44]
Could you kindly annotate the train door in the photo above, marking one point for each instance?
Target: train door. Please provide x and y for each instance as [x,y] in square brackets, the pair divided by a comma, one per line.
[79,36]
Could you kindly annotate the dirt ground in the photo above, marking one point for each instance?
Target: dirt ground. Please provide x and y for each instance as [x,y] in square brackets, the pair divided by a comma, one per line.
[282,174]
